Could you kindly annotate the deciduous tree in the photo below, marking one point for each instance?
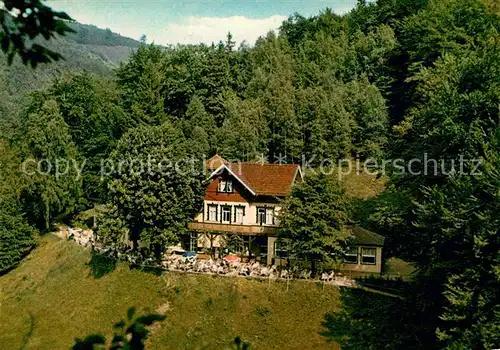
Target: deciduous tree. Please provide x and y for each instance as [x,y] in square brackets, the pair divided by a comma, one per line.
[155,186]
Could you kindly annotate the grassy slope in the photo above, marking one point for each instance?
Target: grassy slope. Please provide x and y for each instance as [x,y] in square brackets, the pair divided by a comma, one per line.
[53,297]
[363,186]
[358,185]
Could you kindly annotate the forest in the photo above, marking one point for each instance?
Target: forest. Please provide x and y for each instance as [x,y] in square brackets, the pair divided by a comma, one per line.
[391,79]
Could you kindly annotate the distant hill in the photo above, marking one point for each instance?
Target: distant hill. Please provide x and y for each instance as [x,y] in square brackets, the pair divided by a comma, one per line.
[92,49]
[109,46]
[91,35]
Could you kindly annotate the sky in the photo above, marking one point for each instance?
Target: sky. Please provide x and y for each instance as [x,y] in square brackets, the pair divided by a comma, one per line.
[193,21]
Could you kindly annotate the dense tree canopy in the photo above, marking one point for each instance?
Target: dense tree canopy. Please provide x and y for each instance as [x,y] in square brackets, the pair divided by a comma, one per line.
[93,111]
[402,79]
[441,214]
[142,82]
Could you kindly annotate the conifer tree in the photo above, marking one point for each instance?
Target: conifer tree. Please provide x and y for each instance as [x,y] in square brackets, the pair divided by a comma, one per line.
[462,258]
[244,134]
[326,125]
[52,192]
[313,221]
[273,85]
[16,236]
[200,124]
[367,106]
[142,80]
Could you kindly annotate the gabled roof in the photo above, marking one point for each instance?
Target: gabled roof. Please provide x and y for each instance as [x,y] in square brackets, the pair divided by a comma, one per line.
[263,179]
[227,168]
[215,162]
[268,179]
[365,237]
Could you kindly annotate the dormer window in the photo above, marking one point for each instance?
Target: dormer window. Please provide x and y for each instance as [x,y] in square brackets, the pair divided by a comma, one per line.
[225,186]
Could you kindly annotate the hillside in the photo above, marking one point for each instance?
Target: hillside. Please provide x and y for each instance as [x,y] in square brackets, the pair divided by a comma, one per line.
[91,49]
[60,292]
[91,35]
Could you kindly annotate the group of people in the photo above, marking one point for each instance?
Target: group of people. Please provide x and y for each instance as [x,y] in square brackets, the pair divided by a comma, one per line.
[174,262]
[191,264]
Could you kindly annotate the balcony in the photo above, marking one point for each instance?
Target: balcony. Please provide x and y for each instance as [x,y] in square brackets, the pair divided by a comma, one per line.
[244,229]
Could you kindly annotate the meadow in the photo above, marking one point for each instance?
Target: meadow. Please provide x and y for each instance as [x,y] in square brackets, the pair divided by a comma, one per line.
[62,292]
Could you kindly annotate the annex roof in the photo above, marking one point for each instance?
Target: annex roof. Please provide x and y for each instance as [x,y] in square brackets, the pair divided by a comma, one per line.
[365,237]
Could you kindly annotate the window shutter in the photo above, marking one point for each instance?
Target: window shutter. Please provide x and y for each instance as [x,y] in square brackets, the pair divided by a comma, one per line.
[208,212]
[234,214]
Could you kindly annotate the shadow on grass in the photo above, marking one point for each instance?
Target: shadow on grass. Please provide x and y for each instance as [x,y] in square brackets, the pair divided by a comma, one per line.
[148,269]
[129,333]
[101,265]
[374,319]
[132,333]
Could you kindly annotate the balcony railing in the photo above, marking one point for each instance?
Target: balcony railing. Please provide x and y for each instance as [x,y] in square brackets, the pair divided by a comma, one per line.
[248,229]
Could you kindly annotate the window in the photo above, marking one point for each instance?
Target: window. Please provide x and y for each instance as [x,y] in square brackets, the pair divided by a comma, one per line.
[276,217]
[261,216]
[226,213]
[226,186]
[212,212]
[265,216]
[351,256]
[269,216]
[193,241]
[238,214]
[369,256]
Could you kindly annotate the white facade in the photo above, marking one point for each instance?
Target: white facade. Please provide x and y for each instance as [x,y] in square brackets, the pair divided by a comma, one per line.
[240,213]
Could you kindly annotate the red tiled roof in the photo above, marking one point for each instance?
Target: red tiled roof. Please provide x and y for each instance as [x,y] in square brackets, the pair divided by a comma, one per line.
[262,179]
[266,179]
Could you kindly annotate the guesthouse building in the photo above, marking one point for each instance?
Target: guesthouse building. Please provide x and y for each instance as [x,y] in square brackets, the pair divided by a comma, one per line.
[240,214]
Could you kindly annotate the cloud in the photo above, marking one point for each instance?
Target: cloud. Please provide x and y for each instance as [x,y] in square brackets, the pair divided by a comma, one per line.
[195,30]
[190,30]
